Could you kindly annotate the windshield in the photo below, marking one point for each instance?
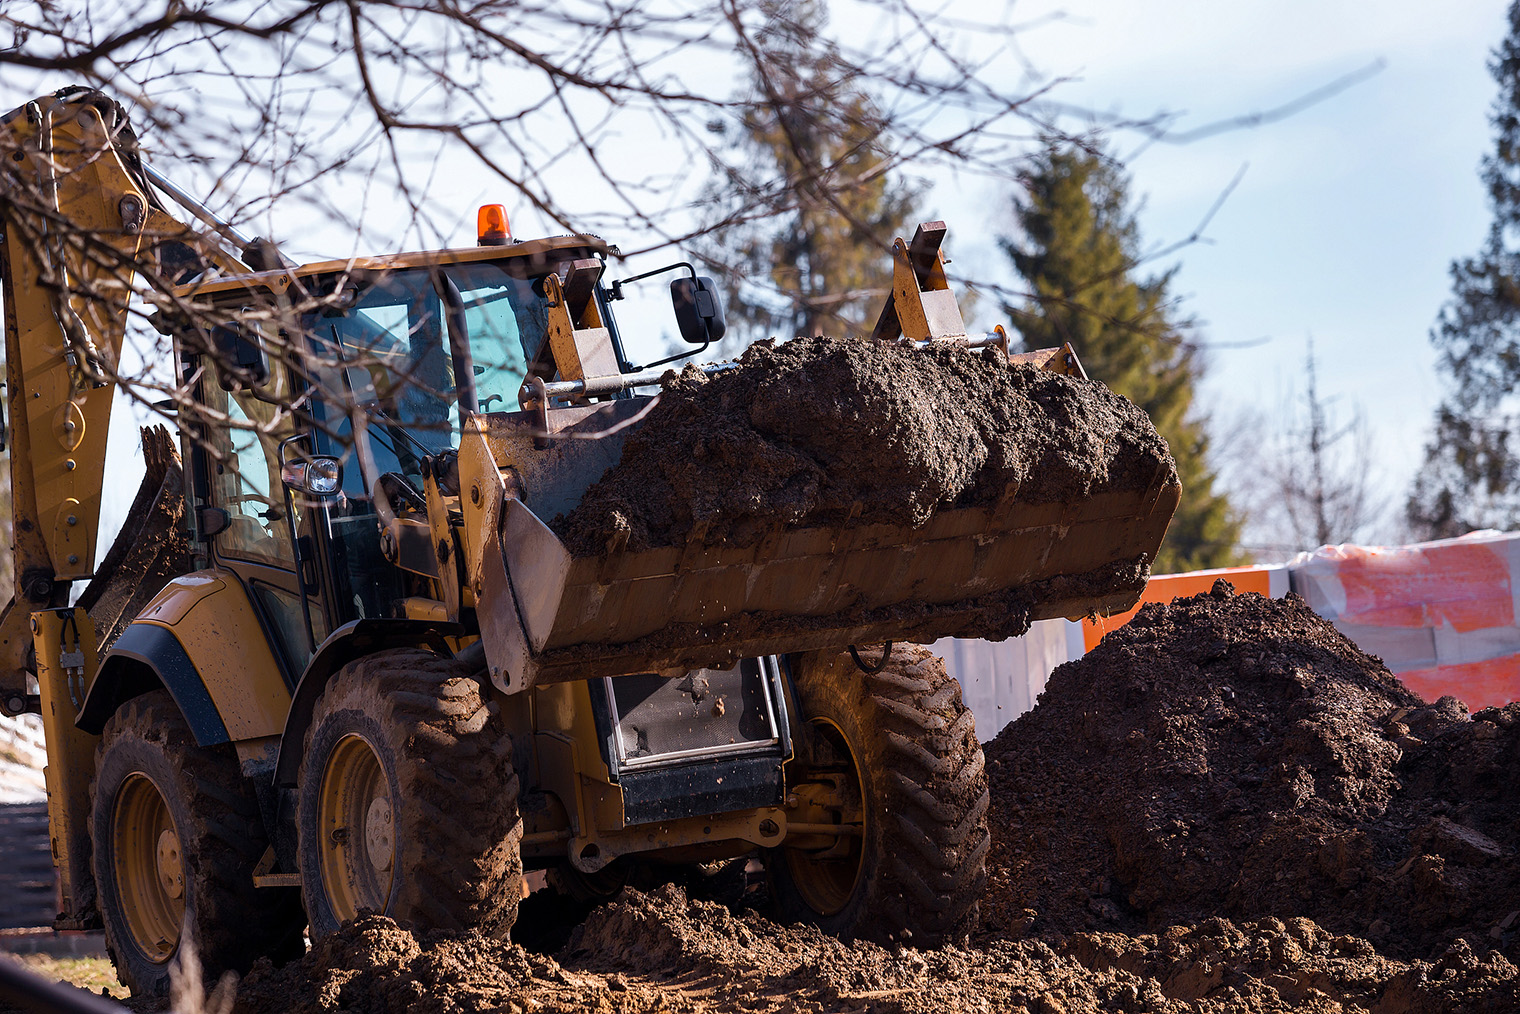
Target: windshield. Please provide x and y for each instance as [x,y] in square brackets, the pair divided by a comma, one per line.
[389,353]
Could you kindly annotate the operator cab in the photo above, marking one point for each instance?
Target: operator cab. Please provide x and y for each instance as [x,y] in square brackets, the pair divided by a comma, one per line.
[325,529]
[413,345]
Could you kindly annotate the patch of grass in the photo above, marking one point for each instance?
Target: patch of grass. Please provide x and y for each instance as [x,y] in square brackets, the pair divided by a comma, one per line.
[92,974]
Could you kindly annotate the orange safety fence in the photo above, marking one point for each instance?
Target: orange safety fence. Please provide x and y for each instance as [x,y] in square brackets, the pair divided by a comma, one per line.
[1165,587]
[1465,585]
[1494,682]
[1441,615]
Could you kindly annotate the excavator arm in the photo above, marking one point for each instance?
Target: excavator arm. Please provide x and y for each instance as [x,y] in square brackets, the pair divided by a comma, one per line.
[79,222]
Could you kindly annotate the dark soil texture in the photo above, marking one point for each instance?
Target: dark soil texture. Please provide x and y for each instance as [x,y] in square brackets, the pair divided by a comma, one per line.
[827,431]
[1225,808]
[1236,756]
[662,953]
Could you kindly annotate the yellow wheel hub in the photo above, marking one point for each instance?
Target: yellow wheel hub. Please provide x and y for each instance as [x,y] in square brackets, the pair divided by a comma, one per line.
[150,874]
[826,878]
[356,823]
[171,874]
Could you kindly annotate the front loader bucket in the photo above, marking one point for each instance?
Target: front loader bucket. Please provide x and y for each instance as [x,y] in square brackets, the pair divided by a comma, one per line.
[547,615]
[967,573]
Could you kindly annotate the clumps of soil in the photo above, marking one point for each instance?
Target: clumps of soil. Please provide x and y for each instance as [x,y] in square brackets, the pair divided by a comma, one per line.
[1237,756]
[663,952]
[374,966]
[826,431]
[151,548]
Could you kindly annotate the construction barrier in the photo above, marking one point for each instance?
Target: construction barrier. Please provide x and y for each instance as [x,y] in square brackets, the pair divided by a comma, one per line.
[1000,680]
[1441,615]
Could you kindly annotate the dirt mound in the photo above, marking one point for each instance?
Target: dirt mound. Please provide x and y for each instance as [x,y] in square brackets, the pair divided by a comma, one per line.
[374,966]
[843,431]
[661,952]
[1235,755]
[746,962]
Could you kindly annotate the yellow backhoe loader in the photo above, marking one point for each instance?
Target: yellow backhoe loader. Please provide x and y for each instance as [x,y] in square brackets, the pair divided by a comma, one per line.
[337,660]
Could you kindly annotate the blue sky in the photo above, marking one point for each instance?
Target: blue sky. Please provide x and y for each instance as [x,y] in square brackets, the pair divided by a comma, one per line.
[1348,214]
[1342,227]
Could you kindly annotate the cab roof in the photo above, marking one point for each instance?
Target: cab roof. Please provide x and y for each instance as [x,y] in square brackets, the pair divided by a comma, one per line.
[280,279]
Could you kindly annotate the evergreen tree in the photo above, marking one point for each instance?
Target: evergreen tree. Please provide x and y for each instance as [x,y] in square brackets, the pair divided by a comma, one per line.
[812,255]
[1077,251]
[1471,467]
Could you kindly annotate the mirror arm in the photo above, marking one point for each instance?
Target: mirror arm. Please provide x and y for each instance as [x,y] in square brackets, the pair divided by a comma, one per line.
[670,359]
[616,292]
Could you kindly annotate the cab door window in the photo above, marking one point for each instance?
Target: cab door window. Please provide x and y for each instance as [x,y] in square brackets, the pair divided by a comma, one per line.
[245,477]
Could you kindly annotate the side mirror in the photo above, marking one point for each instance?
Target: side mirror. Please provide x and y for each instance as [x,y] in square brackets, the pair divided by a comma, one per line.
[699,310]
[313,476]
[241,363]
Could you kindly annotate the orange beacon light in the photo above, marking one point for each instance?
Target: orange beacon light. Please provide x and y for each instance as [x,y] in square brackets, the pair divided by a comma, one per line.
[491,225]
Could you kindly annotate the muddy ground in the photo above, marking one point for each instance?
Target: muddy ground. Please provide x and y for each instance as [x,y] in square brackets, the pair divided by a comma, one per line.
[1226,807]
[826,431]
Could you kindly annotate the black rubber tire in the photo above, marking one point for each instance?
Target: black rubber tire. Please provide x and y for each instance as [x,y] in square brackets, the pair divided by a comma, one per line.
[222,837]
[447,760]
[923,862]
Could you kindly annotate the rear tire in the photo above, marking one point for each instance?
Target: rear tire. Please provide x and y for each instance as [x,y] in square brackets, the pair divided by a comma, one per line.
[177,833]
[906,742]
[407,800]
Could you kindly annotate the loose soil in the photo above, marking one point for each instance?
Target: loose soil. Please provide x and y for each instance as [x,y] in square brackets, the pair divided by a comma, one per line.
[661,953]
[827,431]
[1236,756]
[1225,807]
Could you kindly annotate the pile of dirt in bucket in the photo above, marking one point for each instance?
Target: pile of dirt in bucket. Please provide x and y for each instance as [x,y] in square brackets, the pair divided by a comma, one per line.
[825,431]
[1236,756]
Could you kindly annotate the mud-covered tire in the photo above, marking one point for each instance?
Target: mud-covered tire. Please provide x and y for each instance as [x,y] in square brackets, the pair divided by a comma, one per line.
[440,786]
[922,861]
[154,787]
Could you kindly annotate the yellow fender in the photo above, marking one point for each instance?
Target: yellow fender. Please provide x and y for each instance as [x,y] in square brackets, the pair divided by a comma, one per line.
[201,640]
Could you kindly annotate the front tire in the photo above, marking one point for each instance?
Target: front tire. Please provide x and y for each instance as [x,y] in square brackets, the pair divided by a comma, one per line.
[177,833]
[407,801]
[903,748]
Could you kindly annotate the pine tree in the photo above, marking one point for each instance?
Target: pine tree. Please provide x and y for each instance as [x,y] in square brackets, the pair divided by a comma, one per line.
[811,256]
[1077,252]
[1471,466]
